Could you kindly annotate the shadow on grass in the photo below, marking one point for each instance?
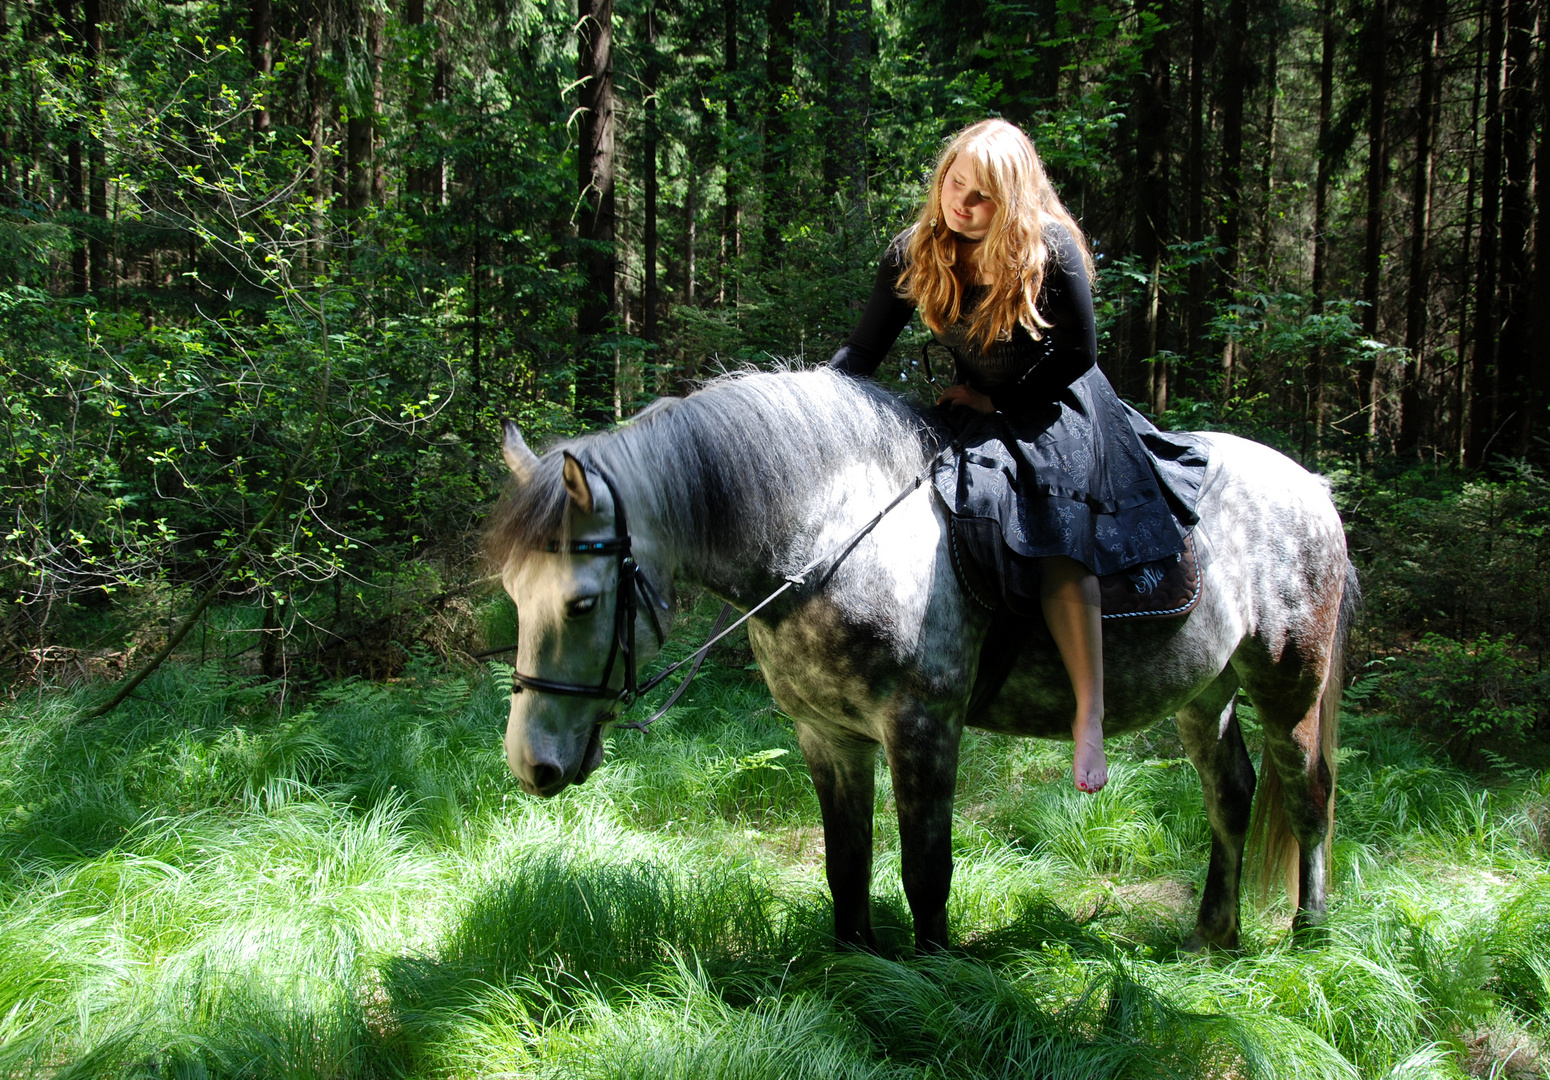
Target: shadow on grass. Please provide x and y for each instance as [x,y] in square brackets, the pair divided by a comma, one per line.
[642,955]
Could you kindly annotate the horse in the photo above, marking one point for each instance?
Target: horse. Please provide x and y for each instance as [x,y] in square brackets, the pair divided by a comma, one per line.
[739,486]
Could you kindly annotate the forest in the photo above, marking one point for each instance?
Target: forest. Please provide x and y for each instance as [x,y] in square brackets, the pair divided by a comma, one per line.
[272,274]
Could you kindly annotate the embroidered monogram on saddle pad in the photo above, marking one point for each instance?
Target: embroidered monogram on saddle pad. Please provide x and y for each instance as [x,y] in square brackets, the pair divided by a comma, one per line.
[1154,590]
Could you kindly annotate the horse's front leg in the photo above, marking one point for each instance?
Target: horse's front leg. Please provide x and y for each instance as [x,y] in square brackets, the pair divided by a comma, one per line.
[844,772]
[923,758]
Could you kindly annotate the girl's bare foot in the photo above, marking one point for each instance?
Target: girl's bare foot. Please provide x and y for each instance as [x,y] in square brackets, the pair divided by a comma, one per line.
[1089,766]
[1073,611]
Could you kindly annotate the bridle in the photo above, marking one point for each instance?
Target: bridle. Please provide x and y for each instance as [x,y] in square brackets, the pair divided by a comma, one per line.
[632,587]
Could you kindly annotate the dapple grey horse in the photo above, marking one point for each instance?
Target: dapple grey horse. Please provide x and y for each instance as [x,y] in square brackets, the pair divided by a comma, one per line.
[741,484]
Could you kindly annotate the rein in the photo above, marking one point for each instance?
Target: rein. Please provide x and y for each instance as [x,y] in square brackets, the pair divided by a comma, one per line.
[632,582]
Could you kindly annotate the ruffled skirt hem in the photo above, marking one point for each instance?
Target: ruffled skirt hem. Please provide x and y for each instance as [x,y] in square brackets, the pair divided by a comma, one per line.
[1085,476]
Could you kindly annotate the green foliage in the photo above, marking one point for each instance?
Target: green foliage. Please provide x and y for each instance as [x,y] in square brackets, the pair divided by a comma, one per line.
[1453,554]
[312,346]
[1485,688]
[1455,596]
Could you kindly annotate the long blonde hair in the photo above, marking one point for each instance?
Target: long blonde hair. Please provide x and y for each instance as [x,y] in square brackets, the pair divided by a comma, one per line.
[1014,252]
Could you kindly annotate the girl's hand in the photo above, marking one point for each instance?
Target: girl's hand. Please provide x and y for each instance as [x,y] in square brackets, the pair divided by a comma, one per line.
[960,394]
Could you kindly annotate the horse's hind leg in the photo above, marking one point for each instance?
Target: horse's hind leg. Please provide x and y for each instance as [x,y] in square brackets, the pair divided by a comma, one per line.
[1209,728]
[1297,781]
[844,774]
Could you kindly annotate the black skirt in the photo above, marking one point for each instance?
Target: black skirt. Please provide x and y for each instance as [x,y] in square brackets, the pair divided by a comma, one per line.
[1084,476]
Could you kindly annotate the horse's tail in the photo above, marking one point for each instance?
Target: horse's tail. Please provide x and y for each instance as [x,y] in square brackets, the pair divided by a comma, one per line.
[1270,831]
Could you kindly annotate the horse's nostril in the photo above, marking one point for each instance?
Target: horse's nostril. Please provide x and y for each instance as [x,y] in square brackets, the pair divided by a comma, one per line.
[545,776]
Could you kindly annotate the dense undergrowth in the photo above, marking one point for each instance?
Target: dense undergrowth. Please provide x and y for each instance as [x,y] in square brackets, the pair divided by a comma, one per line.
[202,885]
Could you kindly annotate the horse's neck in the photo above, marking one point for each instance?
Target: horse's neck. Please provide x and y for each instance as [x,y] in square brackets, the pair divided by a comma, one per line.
[738,550]
[751,546]
[745,481]
[734,544]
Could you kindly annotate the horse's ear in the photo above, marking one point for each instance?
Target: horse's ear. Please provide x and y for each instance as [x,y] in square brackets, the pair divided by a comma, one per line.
[522,462]
[576,485]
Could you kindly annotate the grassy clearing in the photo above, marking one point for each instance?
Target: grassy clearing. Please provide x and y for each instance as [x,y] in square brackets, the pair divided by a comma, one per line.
[203,888]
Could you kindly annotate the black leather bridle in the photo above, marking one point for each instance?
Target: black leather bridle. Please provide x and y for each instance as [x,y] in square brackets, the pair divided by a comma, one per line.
[632,587]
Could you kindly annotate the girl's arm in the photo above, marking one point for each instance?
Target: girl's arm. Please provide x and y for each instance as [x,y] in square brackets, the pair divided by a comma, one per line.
[1070,347]
[885,315]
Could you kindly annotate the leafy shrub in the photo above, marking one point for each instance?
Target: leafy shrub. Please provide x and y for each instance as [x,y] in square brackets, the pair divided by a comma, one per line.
[1488,688]
[1522,941]
[1449,554]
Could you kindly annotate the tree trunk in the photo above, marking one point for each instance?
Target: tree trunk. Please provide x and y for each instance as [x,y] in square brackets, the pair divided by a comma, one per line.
[11,178]
[75,166]
[1513,282]
[596,222]
[75,184]
[364,184]
[317,103]
[440,190]
[1153,116]
[1317,398]
[1418,292]
[271,644]
[1234,90]
[1482,365]
[376,42]
[1462,368]
[652,292]
[779,74]
[849,97]
[261,55]
[1197,178]
[731,209]
[1369,377]
[1267,160]
[97,202]
[476,281]
[416,177]
[1539,349]
[691,218]
[357,143]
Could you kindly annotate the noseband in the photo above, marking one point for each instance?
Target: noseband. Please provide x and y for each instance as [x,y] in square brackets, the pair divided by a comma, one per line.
[632,583]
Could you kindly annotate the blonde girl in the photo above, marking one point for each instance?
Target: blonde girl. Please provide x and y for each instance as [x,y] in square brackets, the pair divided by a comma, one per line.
[1056,481]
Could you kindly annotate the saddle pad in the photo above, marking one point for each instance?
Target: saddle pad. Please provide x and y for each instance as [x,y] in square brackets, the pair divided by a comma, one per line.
[1154,590]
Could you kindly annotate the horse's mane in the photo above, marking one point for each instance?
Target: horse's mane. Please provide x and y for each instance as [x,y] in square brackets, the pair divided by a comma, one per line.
[740,456]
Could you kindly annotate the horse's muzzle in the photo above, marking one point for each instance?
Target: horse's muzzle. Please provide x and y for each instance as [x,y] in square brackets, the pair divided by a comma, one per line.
[546,777]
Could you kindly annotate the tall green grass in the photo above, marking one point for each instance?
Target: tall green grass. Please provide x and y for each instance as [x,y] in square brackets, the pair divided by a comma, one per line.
[204,885]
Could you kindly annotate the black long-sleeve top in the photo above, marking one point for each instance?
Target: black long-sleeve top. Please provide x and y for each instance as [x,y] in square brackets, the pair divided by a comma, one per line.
[1017,374]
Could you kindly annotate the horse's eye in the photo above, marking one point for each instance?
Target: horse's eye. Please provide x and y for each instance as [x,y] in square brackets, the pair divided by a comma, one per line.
[583,606]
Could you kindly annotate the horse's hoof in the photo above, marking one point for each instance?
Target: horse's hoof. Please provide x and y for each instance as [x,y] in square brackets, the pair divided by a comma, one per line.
[1199,942]
[1308,928]
[865,943]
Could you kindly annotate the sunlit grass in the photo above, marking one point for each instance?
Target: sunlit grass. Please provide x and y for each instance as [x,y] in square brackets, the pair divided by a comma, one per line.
[203,887]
